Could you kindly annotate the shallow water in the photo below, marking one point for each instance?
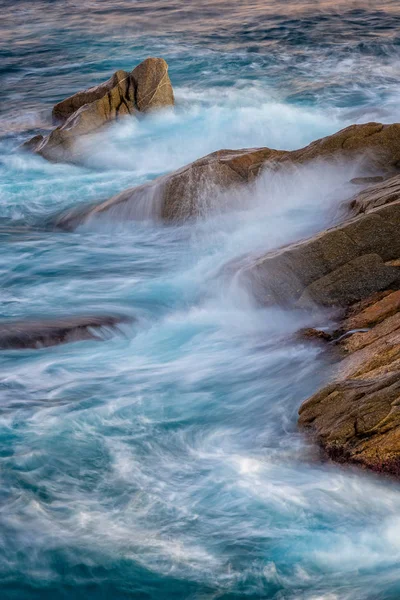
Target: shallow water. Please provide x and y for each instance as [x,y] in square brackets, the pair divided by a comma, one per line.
[165,462]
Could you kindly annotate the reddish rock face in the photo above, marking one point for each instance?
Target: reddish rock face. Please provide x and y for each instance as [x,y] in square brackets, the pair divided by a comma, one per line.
[356,418]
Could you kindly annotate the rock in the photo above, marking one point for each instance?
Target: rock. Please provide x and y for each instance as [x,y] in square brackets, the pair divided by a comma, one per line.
[311,333]
[146,88]
[337,267]
[183,194]
[376,310]
[376,145]
[366,180]
[33,143]
[190,191]
[38,334]
[351,282]
[356,418]
[375,196]
[153,89]
[64,109]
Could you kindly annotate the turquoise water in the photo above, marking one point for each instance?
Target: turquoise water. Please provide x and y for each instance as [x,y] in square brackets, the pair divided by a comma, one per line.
[165,462]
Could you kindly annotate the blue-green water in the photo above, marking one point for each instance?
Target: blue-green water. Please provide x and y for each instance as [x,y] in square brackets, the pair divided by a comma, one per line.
[165,463]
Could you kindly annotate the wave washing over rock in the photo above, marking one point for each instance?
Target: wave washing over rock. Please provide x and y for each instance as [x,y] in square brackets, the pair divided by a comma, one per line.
[224,221]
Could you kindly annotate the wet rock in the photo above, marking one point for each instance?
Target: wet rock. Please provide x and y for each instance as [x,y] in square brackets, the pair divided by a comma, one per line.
[372,312]
[351,282]
[183,194]
[375,196]
[335,268]
[188,192]
[146,88]
[64,109]
[375,144]
[33,143]
[153,89]
[43,333]
[312,333]
[366,180]
[356,418]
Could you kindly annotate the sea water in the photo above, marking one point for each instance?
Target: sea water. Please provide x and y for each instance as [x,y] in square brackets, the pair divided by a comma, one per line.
[165,462]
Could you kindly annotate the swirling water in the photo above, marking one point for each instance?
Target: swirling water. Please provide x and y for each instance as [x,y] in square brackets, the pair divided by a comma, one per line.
[165,462]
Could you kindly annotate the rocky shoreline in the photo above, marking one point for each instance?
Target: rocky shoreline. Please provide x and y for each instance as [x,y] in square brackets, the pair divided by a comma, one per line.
[353,267]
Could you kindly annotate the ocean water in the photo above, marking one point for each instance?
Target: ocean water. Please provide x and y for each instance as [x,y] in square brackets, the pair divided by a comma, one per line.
[164,463]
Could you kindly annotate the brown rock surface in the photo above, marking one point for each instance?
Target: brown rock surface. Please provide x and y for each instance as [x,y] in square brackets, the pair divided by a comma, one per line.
[356,418]
[376,195]
[64,109]
[187,192]
[153,87]
[148,87]
[177,196]
[337,267]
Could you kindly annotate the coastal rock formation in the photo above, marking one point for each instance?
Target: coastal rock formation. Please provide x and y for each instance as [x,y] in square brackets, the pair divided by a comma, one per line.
[337,267]
[146,88]
[176,196]
[376,195]
[43,333]
[186,193]
[64,109]
[356,418]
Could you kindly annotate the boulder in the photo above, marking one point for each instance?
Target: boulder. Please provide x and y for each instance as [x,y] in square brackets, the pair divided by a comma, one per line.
[356,417]
[351,282]
[153,89]
[183,194]
[337,267]
[189,192]
[64,109]
[146,88]
[43,333]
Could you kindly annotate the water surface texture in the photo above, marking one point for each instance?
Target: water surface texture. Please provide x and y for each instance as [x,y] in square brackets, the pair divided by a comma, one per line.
[164,463]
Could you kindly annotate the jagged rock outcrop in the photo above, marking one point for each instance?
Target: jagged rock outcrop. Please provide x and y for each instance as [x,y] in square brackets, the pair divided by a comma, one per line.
[187,192]
[43,333]
[386,192]
[356,417]
[146,88]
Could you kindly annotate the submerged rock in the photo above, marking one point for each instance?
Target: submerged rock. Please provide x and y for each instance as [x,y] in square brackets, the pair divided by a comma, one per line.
[42,333]
[189,191]
[356,418]
[146,88]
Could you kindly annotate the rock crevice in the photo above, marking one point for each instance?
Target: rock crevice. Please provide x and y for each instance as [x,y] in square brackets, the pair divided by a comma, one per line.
[146,88]
[190,191]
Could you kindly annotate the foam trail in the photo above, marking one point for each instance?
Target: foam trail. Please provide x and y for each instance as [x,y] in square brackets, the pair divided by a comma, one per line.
[165,462]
